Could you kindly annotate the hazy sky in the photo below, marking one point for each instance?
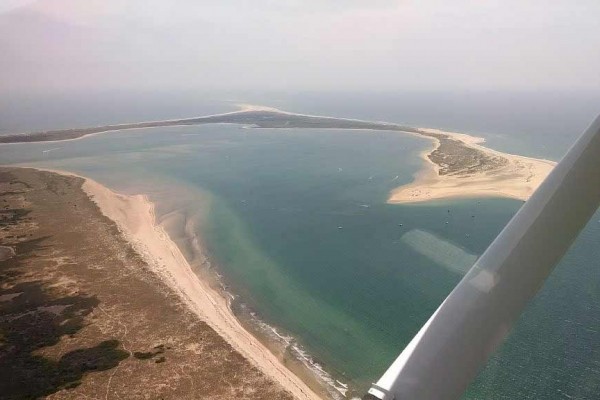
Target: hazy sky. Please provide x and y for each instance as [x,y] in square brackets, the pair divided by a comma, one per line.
[300,45]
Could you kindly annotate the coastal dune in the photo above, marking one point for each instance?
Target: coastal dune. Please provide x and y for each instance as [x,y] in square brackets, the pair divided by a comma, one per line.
[84,315]
[482,173]
[457,165]
[134,215]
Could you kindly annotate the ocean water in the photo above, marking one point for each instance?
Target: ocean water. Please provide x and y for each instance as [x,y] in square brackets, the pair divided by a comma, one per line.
[296,222]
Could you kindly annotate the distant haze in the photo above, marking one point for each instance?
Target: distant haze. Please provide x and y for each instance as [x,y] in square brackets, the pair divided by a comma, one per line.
[339,45]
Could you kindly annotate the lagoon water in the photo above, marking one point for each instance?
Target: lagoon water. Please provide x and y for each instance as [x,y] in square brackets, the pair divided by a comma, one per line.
[297,224]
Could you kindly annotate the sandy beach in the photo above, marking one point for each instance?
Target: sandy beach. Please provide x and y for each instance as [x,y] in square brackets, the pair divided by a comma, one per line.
[135,217]
[457,165]
[85,315]
[516,177]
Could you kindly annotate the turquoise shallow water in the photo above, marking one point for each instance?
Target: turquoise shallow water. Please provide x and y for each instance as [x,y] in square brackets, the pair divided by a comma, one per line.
[297,223]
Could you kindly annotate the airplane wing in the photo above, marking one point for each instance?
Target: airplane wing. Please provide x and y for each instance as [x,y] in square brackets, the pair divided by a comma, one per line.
[448,351]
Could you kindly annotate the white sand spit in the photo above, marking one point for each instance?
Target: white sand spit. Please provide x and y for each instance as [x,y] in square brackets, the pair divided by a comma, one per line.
[134,215]
[518,179]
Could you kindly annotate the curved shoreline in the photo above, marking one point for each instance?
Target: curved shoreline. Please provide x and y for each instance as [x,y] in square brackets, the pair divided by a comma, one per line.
[134,215]
[256,116]
[497,175]
[454,157]
[515,176]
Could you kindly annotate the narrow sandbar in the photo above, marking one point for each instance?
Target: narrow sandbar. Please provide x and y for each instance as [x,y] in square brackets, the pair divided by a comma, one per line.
[135,217]
[456,166]
[84,315]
